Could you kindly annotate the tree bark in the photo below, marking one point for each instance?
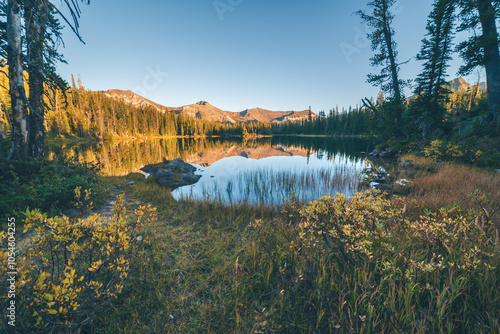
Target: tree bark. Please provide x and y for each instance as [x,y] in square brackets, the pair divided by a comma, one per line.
[491,56]
[394,66]
[36,12]
[21,124]
[394,70]
[392,58]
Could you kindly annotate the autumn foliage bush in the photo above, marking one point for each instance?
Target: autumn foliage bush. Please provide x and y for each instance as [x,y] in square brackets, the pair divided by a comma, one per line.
[72,269]
[363,265]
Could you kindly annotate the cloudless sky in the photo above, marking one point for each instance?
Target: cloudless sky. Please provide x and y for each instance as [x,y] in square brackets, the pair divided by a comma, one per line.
[238,54]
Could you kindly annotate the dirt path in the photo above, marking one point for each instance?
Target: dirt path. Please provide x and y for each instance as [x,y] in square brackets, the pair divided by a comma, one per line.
[106,209]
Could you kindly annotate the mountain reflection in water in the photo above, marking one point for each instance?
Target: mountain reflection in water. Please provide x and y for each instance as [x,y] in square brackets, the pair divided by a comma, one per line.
[258,171]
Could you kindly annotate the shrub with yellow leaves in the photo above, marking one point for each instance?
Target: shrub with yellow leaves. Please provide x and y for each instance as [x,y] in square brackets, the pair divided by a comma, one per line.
[72,269]
[369,227]
[83,203]
[349,226]
[365,264]
[435,150]
[438,150]
[145,215]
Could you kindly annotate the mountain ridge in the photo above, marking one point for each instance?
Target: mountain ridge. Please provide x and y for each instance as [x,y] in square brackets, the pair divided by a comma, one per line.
[460,85]
[205,111]
[133,98]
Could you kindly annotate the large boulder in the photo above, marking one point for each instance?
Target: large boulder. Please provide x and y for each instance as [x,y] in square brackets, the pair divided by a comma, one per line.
[387,153]
[173,174]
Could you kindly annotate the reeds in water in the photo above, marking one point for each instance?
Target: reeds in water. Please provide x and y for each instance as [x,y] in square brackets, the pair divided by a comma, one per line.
[268,186]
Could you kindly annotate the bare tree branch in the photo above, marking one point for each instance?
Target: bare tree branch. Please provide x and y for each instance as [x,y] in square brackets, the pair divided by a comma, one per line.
[74,28]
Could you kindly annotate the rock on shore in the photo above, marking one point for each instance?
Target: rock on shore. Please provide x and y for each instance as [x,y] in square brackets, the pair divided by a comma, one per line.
[173,174]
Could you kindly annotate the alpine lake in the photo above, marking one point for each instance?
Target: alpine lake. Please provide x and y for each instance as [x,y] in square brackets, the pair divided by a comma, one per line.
[261,171]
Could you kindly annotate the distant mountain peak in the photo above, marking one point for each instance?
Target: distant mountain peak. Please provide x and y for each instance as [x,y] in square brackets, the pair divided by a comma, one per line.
[133,98]
[206,111]
[460,85]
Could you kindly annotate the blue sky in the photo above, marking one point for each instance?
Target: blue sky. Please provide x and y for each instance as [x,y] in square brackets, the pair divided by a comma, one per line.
[237,54]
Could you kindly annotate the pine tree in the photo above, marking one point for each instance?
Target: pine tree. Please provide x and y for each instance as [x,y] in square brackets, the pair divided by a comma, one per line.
[382,40]
[482,49]
[436,50]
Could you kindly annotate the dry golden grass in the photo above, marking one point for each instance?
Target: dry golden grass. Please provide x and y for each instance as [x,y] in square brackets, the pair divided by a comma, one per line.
[455,185]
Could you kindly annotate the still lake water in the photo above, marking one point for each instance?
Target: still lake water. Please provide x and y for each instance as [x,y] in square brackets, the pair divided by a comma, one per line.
[259,171]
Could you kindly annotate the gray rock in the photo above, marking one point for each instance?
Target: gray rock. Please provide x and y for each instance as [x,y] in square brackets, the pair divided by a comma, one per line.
[380,186]
[386,154]
[187,169]
[175,164]
[131,183]
[408,163]
[379,175]
[173,174]
[403,182]
[148,169]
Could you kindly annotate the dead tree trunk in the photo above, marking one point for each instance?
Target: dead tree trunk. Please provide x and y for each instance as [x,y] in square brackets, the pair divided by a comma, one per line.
[20,124]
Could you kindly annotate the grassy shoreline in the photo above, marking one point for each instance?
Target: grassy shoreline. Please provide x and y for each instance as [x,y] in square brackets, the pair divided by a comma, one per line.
[229,269]
[209,267]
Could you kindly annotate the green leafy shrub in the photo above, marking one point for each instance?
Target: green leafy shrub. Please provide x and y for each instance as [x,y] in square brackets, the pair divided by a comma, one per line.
[46,185]
[481,151]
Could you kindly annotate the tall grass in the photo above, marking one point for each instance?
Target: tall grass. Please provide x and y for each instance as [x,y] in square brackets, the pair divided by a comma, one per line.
[266,186]
[458,186]
[335,265]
